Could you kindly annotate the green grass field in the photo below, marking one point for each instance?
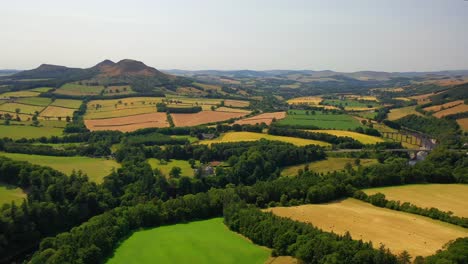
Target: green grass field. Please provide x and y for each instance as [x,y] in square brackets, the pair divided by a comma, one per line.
[10,194]
[24,109]
[79,90]
[328,165]
[68,103]
[17,132]
[166,168]
[41,89]
[251,136]
[445,197]
[39,101]
[96,169]
[349,104]
[208,241]
[320,120]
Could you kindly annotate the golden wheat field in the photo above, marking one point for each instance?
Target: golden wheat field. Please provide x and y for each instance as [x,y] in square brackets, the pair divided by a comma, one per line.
[364,139]
[420,236]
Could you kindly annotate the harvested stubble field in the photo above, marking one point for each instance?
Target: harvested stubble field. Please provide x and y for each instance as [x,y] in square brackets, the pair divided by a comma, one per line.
[437,108]
[67,103]
[10,194]
[232,110]
[23,117]
[203,117]
[311,100]
[208,241]
[364,139]
[79,90]
[95,168]
[461,108]
[236,103]
[362,97]
[128,123]
[420,236]
[251,136]
[445,197]
[329,165]
[56,112]
[463,122]
[24,109]
[423,98]
[398,113]
[266,118]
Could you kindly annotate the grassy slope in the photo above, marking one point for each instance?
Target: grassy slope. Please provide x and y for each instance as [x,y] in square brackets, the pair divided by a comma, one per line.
[365,139]
[396,230]
[166,168]
[251,136]
[17,132]
[11,193]
[96,169]
[206,241]
[446,197]
[325,121]
[328,165]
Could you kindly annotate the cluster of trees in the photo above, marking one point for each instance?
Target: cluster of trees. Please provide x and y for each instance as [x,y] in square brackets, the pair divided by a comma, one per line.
[152,139]
[340,142]
[446,130]
[162,107]
[379,200]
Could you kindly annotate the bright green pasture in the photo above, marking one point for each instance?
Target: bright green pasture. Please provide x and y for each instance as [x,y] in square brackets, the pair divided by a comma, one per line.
[166,167]
[79,90]
[95,168]
[68,103]
[17,132]
[41,89]
[10,194]
[208,241]
[320,120]
[40,101]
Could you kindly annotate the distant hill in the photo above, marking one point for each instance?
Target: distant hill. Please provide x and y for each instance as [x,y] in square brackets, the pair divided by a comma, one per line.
[360,75]
[143,78]
[8,72]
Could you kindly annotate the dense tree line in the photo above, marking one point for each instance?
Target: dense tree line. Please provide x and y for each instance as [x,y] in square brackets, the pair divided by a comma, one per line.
[379,200]
[454,252]
[154,139]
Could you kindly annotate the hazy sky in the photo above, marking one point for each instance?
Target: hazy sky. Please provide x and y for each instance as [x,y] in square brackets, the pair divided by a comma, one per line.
[343,35]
